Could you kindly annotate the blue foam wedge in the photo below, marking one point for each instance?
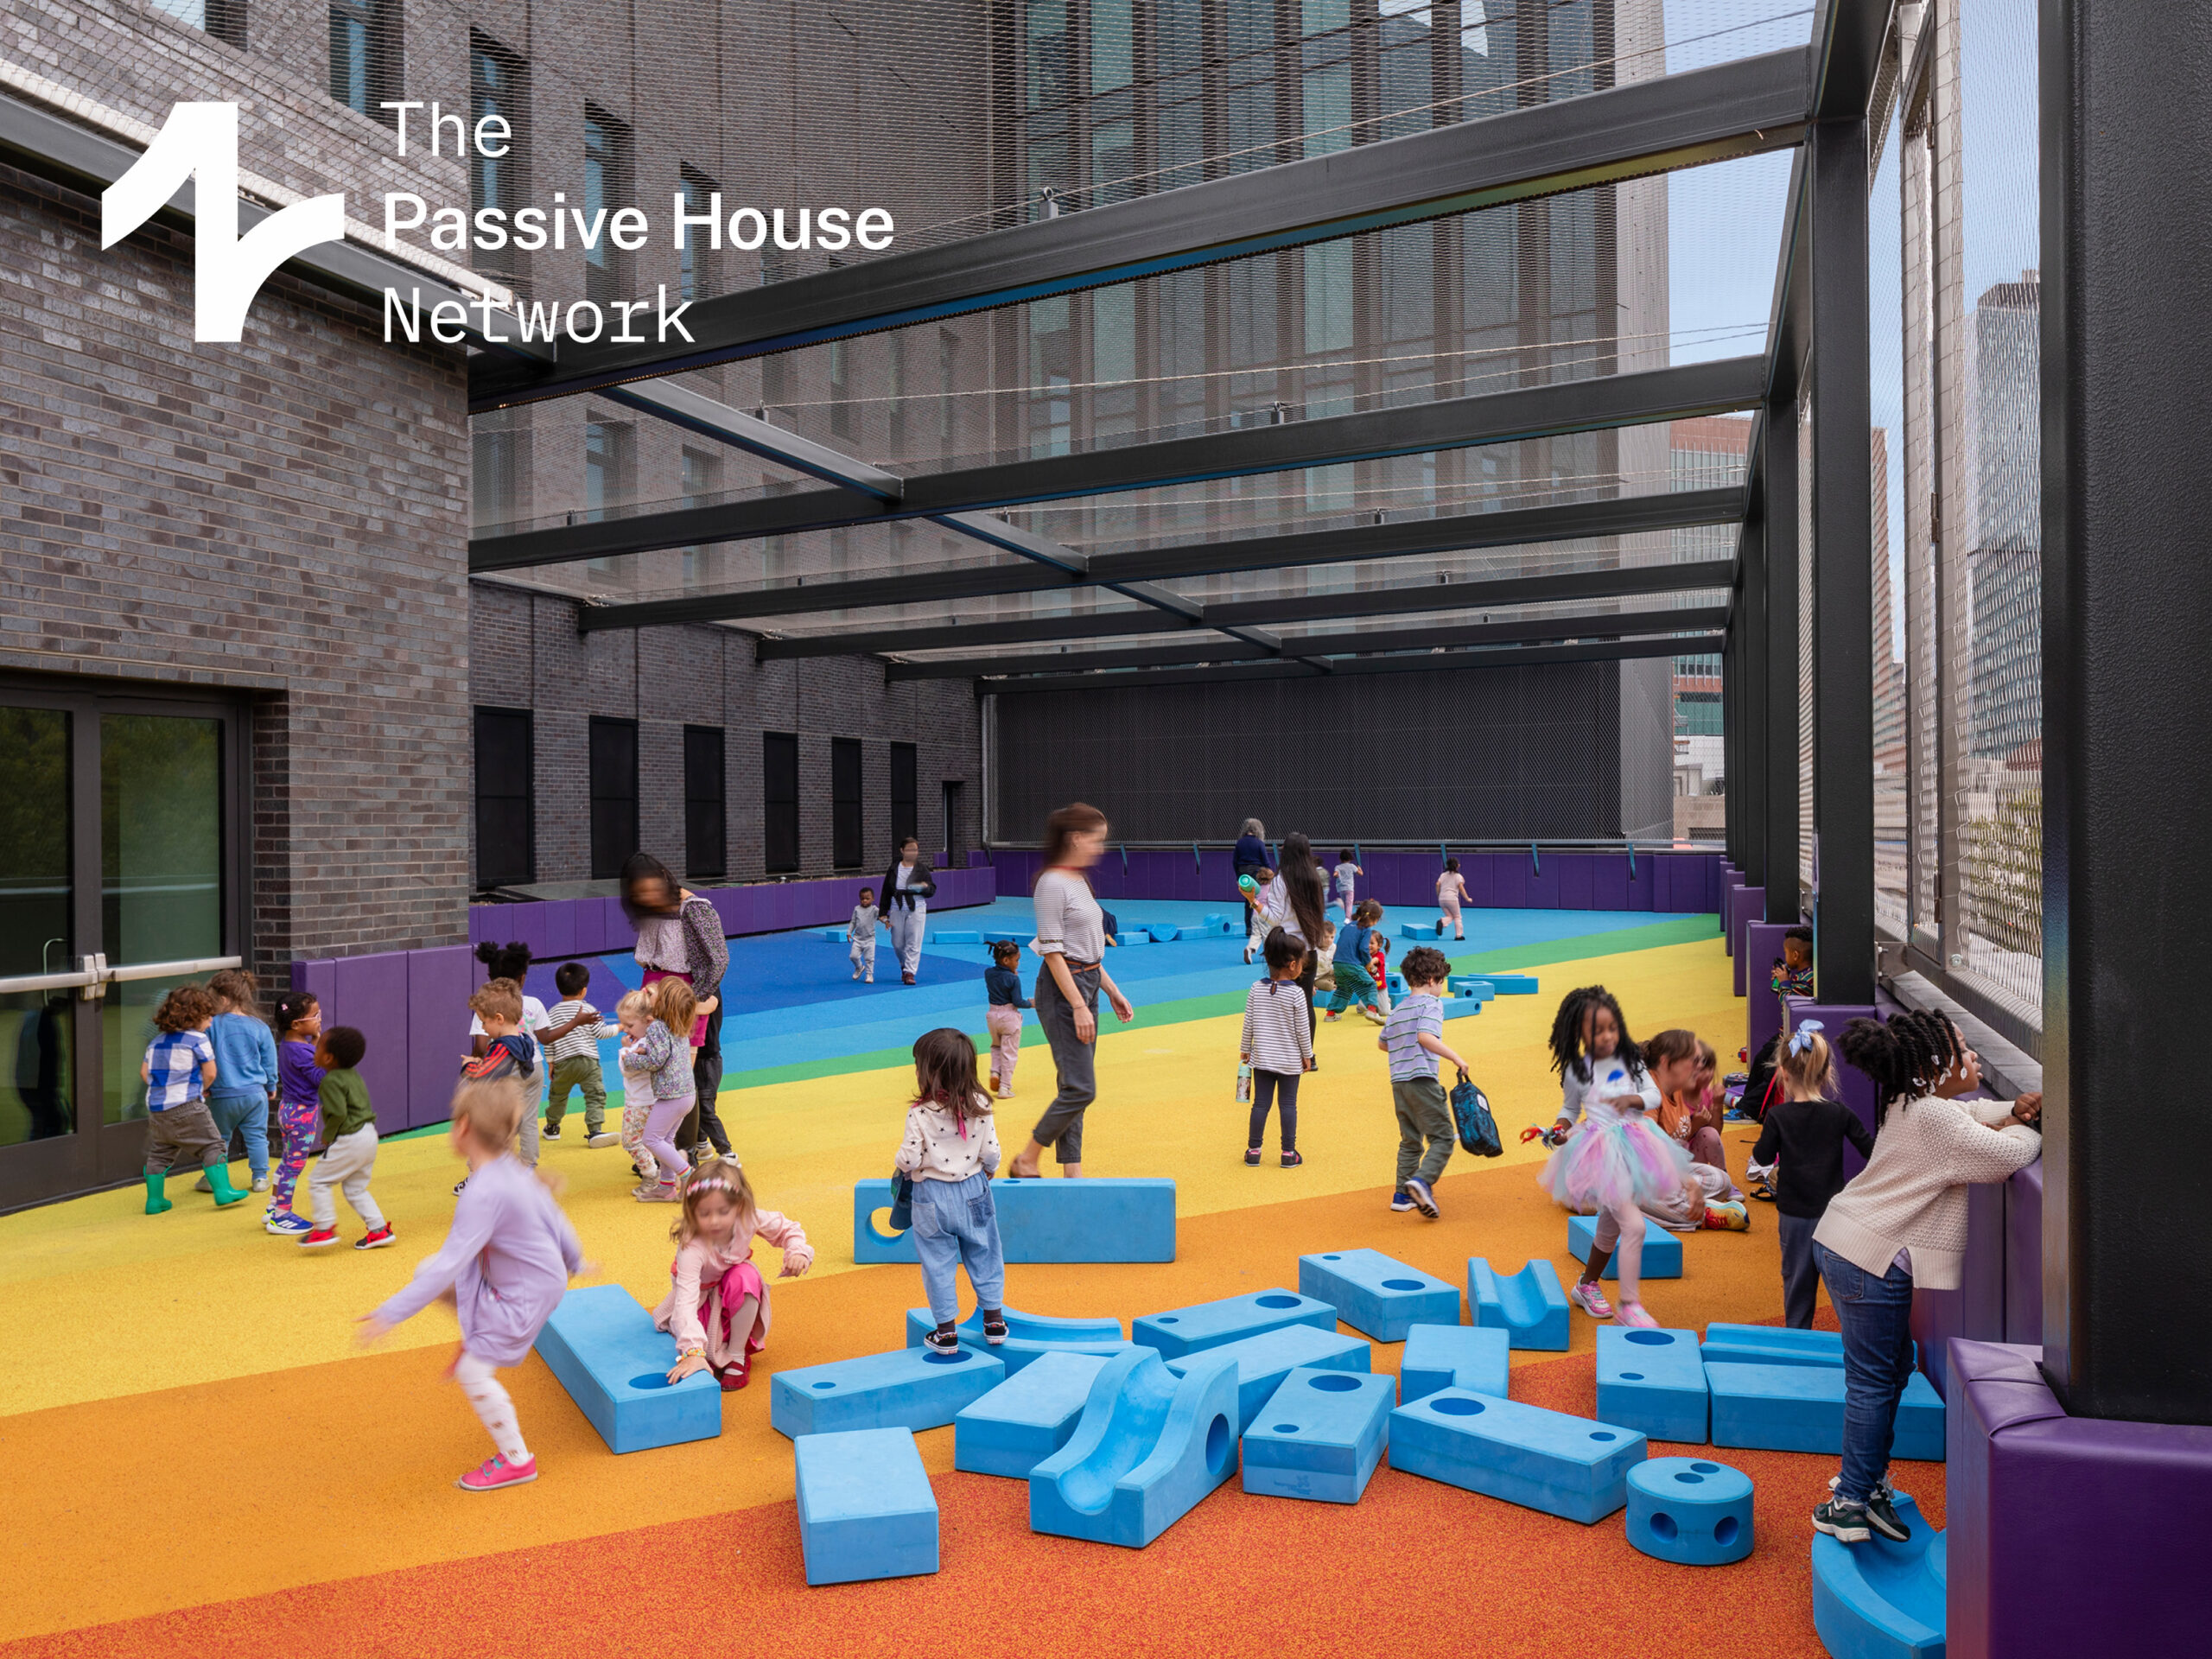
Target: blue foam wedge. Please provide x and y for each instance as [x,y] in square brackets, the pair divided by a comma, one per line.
[1663,1251]
[1377,1294]
[1774,1345]
[1800,1408]
[907,1388]
[1028,1335]
[1182,1331]
[1572,1467]
[1149,1446]
[1880,1600]
[601,1344]
[1652,1381]
[1320,1436]
[1691,1511]
[1263,1361]
[1529,1306]
[1476,1358]
[1027,1418]
[865,1507]
[1044,1220]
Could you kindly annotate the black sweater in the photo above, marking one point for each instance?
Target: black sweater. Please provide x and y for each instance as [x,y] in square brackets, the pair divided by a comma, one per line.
[1808,1136]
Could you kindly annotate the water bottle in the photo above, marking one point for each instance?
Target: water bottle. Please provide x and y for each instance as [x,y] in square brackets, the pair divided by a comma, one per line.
[1244,1083]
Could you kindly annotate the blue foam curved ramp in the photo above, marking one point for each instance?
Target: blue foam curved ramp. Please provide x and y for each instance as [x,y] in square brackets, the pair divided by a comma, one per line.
[1028,1335]
[1880,1600]
[1691,1511]
[1663,1251]
[1027,1418]
[907,1388]
[1472,1357]
[1182,1331]
[1774,1345]
[1045,1220]
[1320,1436]
[1263,1361]
[1653,1381]
[1529,1306]
[1377,1294]
[1163,932]
[865,1507]
[1149,1446]
[1573,1467]
[601,1345]
[1800,1408]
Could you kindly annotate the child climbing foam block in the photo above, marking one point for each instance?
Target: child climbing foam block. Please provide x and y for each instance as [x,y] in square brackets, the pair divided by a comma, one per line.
[907,1388]
[1182,1331]
[1800,1408]
[1529,1306]
[1375,1293]
[1471,985]
[865,1507]
[1148,1447]
[1320,1436]
[1263,1361]
[1567,1466]
[1880,1600]
[1027,1418]
[1663,1251]
[1652,1381]
[1476,1358]
[601,1344]
[1772,1344]
[1045,1220]
[1691,1511]
[1029,1336]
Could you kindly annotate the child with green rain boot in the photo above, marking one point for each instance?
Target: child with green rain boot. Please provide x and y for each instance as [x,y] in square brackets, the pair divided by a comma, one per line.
[178,1066]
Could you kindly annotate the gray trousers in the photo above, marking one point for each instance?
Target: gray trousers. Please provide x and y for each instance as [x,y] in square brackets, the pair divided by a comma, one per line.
[956,1224]
[1801,1274]
[905,927]
[1075,1061]
[345,1164]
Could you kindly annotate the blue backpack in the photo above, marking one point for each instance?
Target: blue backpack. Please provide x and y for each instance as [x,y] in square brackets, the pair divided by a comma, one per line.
[1471,1116]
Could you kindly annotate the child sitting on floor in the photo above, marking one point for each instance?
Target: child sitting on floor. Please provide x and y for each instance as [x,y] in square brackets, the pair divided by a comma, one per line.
[1002,984]
[951,1150]
[717,1304]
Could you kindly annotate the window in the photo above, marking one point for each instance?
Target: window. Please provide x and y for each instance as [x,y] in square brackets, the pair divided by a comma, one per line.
[779,801]
[696,272]
[506,851]
[706,846]
[703,479]
[841,388]
[904,821]
[365,56]
[223,19]
[609,446]
[845,802]
[499,84]
[497,484]
[613,795]
[606,190]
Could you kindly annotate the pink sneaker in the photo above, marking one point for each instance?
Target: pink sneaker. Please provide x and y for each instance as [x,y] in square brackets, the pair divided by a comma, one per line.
[1590,1300]
[496,1473]
[1633,1313]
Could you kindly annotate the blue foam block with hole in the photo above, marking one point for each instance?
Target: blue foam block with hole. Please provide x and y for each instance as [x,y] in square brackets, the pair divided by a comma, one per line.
[601,1344]
[1800,1408]
[907,1388]
[1774,1345]
[865,1506]
[1376,1293]
[1320,1436]
[1511,984]
[1045,1220]
[1182,1331]
[1567,1466]
[1263,1361]
[1028,1335]
[1652,1381]
[1663,1251]
[1420,930]
[1691,1511]
[1529,1306]
[1458,1007]
[1478,1359]
[1471,985]
[1880,1600]
[1027,1418]
[1212,918]
[1162,932]
[1149,1446]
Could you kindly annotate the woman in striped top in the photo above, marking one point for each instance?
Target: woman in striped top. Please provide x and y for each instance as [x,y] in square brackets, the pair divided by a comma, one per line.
[1278,1044]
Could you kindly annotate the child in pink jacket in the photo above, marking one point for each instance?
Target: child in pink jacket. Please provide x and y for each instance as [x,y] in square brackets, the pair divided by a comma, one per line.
[717,1304]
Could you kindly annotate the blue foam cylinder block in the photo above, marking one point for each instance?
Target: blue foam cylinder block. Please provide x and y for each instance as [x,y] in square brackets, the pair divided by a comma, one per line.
[1027,1418]
[601,1345]
[1163,932]
[1148,1447]
[865,1507]
[1028,1335]
[1045,1220]
[907,1388]
[1652,1381]
[1663,1251]
[1567,1466]
[1208,1324]
[1692,1511]
[1880,1600]
[1472,1357]
[1373,1294]
[1529,1306]
[1320,1436]
[1263,1361]
[1800,1408]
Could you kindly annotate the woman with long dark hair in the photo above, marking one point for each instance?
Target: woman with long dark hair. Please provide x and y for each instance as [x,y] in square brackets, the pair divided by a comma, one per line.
[908,886]
[1298,903]
[680,937]
[1071,939]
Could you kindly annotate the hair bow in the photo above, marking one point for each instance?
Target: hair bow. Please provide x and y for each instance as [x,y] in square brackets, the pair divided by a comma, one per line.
[1801,1038]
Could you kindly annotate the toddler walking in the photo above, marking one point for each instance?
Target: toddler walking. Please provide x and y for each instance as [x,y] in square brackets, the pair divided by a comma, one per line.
[299,1106]
[1278,1044]
[1805,1132]
[178,1066]
[1451,894]
[717,1304]
[860,934]
[246,1072]
[1003,983]
[507,1264]
[349,1145]
[658,1061]
[951,1150]
[1414,1039]
[1346,876]
[572,1058]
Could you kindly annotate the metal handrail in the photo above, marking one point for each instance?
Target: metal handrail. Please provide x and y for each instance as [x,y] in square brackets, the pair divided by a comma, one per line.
[98,973]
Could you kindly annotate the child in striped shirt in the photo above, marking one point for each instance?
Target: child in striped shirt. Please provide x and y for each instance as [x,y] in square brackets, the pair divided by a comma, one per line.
[573,1057]
[1278,1044]
[1414,1039]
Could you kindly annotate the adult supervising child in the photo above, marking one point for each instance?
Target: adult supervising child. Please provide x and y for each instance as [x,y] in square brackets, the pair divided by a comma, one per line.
[1278,1044]
[1414,1039]
[1806,1131]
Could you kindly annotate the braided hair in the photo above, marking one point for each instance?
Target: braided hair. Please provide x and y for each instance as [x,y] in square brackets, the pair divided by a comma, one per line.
[1575,1010]
[1903,1058]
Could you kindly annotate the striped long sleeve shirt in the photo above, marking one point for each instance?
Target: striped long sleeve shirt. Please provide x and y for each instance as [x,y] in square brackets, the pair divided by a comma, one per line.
[1276,1035]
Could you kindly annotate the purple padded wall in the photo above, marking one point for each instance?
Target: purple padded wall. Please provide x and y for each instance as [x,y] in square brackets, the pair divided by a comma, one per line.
[1762,1010]
[1857,1088]
[438,985]
[2023,1254]
[1975,1310]
[370,993]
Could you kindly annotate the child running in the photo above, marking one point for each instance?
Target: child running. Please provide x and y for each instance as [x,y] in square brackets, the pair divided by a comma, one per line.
[1354,983]
[299,1106]
[652,1019]
[1278,1044]
[507,1264]
[1805,1132]
[178,1066]
[860,936]
[349,1145]
[1451,894]
[245,1072]
[1002,984]
[1414,1039]
[717,1304]
[504,1050]
[572,1058]
[951,1150]
[1346,876]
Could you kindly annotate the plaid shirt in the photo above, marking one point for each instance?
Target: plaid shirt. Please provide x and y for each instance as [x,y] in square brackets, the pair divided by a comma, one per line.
[173,1062]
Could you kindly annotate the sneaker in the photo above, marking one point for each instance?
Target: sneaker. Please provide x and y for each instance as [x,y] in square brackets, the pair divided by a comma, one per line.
[1847,1523]
[491,1476]
[377,1240]
[1372,1017]
[550,1133]
[603,1138]
[1882,1511]
[317,1237]
[1724,1217]
[1400,1201]
[1006,1093]
[457,1185]
[260,1183]
[1291,1159]
[1590,1300]
[285,1224]
[1633,1314]
[1251,1157]
[942,1342]
[994,1328]
[644,1189]
[662,1192]
[700,1153]
[1331,1018]
[1424,1200]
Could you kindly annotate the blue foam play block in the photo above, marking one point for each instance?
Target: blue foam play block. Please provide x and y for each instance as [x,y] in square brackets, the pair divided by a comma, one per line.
[1800,1408]
[1880,1600]
[1163,932]
[1148,1447]
[1511,984]
[1458,1007]
[1663,1251]
[1420,931]
[1263,1361]
[1691,1511]
[1476,1358]
[1652,1381]
[1375,1293]
[1320,1436]
[1028,1335]
[602,1347]
[1529,1306]
[836,933]
[1774,1345]
[1182,1331]
[907,1388]
[1027,1418]
[1567,1466]
[1212,918]
[1471,985]
[1045,1220]
[865,1507]
[1213,933]
[1136,937]
[955,936]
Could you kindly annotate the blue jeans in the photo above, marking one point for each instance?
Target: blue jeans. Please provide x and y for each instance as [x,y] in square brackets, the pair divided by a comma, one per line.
[956,1223]
[247,1112]
[1876,1314]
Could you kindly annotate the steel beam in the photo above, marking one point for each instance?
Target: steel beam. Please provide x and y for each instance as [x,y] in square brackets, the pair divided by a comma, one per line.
[1847,41]
[1776,507]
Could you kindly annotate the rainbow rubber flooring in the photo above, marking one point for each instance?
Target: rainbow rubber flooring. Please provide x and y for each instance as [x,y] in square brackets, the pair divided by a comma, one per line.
[199,1458]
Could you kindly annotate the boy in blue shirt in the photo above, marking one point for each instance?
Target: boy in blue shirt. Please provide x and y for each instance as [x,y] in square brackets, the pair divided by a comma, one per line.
[1414,1039]
[180,1063]
[1355,979]
[246,1072]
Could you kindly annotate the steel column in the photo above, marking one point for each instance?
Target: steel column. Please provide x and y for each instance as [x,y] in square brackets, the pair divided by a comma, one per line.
[1779,534]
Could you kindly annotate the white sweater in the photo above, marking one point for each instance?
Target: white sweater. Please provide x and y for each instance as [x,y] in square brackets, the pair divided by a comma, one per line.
[1911,1196]
[942,1146]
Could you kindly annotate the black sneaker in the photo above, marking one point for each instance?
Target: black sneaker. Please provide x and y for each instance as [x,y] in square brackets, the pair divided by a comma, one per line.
[1882,1511]
[945,1341]
[1847,1523]
[550,1133]
[994,1328]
